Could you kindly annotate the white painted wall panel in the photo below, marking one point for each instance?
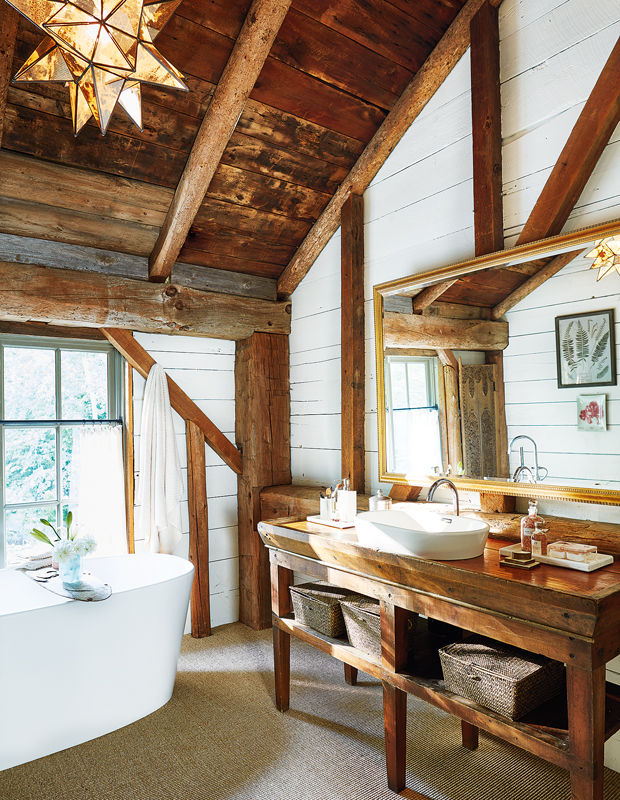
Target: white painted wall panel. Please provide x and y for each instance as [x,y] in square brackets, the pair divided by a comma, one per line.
[204,369]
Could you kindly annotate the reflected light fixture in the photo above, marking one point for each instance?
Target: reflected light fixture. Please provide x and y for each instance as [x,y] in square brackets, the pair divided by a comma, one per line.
[606,255]
[103,50]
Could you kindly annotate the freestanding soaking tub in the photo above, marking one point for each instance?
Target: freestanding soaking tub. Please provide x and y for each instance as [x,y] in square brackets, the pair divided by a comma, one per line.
[71,671]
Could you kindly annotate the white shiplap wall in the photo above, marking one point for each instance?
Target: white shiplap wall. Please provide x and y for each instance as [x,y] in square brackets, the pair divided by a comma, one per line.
[204,369]
[419,212]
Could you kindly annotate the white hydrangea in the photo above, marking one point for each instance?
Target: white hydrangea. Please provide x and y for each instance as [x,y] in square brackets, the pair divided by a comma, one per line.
[85,544]
[65,550]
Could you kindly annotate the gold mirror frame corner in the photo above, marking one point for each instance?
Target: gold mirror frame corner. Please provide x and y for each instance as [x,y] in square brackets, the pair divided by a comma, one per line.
[531,251]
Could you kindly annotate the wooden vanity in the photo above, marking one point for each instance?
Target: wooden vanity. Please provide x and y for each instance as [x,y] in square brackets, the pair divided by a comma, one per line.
[571,616]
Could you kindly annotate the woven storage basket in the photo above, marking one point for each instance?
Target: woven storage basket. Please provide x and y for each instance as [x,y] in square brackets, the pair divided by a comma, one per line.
[317,605]
[505,679]
[362,618]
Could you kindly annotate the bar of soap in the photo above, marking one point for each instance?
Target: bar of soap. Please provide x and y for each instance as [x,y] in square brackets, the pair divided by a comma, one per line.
[571,551]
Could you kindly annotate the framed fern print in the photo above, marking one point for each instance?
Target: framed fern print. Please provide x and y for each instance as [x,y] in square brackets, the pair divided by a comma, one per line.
[586,349]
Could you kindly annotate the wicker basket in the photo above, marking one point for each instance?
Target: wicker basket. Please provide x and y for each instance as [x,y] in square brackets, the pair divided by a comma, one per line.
[317,605]
[500,677]
[362,619]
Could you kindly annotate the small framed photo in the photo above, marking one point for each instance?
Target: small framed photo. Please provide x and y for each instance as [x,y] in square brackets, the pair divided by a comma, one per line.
[586,349]
[591,412]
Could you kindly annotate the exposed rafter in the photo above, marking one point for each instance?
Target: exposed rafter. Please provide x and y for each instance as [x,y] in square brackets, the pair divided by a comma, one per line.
[412,101]
[587,140]
[8,32]
[487,144]
[246,61]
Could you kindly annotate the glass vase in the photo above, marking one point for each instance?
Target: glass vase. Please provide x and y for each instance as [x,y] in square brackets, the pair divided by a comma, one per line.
[71,570]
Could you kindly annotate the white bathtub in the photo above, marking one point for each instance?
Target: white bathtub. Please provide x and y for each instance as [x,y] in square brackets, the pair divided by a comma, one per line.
[71,671]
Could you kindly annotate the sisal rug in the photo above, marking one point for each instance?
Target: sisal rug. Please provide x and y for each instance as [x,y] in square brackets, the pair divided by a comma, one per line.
[220,738]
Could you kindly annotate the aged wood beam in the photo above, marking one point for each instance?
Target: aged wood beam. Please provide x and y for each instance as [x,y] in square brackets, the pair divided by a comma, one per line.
[442,333]
[416,95]
[452,406]
[32,293]
[487,143]
[8,34]
[57,331]
[45,253]
[536,280]
[486,131]
[496,357]
[587,140]
[142,362]
[447,358]
[352,350]
[262,429]
[198,529]
[250,52]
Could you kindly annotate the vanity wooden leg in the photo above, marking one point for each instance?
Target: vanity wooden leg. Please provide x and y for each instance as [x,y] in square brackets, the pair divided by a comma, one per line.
[350,675]
[469,735]
[282,667]
[281,579]
[586,730]
[395,722]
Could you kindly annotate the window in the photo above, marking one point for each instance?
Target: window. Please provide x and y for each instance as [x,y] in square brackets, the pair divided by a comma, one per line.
[412,415]
[48,389]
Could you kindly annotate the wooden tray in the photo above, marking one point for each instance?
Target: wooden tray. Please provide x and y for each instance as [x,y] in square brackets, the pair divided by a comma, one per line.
[583,566]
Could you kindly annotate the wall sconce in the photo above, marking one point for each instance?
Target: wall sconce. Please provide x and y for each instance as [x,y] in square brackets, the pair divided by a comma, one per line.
[606,255]
[103,50]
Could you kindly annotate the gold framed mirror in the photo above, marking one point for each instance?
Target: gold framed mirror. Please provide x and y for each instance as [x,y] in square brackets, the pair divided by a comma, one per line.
[430,365]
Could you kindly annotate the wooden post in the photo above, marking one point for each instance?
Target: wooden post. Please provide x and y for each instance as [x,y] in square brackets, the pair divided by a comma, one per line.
[486,131]
[586,731]
[198,530]
[8,34]
[352,352]
[262,409]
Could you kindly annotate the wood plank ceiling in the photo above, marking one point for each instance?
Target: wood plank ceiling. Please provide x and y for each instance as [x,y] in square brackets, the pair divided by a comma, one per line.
[335,70]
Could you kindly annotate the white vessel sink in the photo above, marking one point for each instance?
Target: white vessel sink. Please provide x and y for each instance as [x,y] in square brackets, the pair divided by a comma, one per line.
[422,533]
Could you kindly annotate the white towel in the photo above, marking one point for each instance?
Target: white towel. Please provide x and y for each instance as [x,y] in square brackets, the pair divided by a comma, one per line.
[160,483]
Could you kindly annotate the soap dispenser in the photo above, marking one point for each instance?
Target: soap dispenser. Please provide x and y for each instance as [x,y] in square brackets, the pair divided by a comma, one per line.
[379,502]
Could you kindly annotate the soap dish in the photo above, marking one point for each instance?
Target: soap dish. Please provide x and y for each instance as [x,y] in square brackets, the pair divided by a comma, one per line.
[518,560]
[601,560]
[331,523]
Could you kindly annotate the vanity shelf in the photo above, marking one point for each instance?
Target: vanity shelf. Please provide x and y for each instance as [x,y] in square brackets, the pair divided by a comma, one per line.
[547,723]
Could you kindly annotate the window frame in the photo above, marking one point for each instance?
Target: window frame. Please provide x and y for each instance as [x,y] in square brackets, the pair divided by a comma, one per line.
[115,377]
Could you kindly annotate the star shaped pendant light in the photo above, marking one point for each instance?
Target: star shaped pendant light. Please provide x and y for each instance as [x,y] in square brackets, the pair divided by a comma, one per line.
[103,49]
[606,255]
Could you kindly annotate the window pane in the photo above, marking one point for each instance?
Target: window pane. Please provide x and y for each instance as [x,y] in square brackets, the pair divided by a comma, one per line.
[18,522]
[30,464]
[70,460]
[416,377]
[29,378]
[84,379]
[398,376]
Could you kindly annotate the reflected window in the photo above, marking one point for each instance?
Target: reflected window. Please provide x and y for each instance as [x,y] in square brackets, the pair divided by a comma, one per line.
[412,415]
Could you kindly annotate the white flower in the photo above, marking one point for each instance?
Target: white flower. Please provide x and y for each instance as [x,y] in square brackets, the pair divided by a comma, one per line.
[65,550]
[85,544]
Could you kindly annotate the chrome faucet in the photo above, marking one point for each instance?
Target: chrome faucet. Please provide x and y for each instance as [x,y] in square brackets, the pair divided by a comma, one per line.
[536,474]
[519,470]
[455,500]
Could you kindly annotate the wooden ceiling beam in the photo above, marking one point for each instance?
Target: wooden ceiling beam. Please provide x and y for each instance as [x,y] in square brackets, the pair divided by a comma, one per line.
[141,361]
[62,297]
[441,333]
[587,140]
[8,34]
[487,143]
[533,282]
[412,101]
[235,85]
